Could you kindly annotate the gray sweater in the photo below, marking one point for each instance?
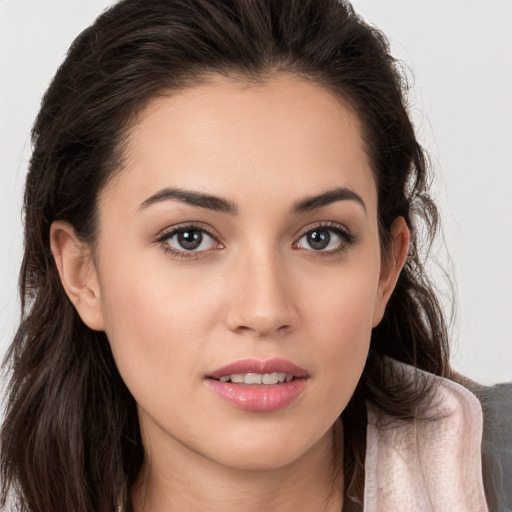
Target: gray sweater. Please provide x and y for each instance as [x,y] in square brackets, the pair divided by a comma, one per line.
[497,445]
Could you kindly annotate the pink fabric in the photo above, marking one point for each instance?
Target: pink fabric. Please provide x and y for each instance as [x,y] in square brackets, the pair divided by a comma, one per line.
[427,465]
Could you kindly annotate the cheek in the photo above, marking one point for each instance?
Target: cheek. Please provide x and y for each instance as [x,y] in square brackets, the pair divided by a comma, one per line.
[343,299]
[341,323]
[155,318]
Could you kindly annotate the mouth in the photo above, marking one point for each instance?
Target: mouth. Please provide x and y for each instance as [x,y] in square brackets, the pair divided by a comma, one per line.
[267,379]
[261,386]
[253,371]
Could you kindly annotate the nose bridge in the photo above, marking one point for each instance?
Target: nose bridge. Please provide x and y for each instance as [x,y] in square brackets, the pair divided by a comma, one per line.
[263,302]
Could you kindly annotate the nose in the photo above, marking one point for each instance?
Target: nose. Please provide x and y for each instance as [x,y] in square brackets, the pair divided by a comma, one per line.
[262,302]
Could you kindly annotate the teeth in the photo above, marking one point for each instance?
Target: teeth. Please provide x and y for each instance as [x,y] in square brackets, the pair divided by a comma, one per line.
[269,378]
[257,378]
[253,378]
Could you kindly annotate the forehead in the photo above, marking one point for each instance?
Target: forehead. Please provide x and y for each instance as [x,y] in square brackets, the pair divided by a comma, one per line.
[229,137]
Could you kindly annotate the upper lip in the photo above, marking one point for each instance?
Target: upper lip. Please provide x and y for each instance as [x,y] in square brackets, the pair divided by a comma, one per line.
[256,366]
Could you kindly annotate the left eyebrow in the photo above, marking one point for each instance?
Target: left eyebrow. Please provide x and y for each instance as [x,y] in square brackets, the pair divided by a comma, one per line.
[326,198]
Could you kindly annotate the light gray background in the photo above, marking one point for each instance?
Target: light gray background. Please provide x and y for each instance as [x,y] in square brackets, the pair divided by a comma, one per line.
[460,55]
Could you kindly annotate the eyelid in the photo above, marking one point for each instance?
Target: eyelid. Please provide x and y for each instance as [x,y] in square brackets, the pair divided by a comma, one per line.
[335,226]
[183,226]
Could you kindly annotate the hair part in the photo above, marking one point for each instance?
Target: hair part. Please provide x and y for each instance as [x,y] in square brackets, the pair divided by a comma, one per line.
[71,438]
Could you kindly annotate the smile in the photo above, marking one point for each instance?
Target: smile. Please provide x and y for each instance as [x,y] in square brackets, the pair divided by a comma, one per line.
[257,378]
[259,386]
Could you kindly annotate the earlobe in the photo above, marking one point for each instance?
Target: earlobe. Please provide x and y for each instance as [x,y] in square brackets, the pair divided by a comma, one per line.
[77,273]
[391,266]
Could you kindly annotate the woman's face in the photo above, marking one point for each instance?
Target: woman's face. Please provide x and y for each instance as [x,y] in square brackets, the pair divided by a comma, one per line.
[240,243]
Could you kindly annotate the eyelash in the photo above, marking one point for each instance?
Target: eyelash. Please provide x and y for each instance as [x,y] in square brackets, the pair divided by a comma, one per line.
[348,239]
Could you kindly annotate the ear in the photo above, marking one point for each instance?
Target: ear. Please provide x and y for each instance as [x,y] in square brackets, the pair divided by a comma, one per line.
[392,264]
[77,273]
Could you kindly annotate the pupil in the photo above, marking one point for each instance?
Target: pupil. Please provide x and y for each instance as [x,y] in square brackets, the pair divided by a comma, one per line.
[319,239]
[190,239]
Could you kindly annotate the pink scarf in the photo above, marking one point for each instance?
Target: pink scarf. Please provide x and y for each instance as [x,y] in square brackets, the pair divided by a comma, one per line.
[427,465]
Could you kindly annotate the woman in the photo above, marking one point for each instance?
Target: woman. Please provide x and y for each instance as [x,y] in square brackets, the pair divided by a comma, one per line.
[223,302]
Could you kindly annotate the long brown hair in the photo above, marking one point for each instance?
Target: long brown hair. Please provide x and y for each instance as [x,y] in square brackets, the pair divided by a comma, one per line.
[71,439]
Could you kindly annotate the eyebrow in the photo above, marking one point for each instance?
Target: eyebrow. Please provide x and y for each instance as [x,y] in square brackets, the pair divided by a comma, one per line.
[331,196]
[219,204]
[193,198]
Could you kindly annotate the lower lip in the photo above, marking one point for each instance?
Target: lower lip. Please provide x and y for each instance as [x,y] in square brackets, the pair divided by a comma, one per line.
[258,397]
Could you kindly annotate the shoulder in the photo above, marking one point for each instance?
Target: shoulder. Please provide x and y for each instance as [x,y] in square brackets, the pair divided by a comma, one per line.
[431,463]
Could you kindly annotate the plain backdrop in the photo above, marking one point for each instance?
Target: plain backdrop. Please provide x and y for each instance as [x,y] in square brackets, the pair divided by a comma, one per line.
[457,55]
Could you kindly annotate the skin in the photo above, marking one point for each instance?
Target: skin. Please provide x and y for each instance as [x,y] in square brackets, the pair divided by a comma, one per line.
[256,289]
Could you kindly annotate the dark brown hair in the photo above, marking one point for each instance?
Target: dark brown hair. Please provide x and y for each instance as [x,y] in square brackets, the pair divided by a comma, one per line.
[71,439]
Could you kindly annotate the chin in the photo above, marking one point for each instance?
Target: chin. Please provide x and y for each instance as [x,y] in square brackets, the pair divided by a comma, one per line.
[264,451]
[259,461]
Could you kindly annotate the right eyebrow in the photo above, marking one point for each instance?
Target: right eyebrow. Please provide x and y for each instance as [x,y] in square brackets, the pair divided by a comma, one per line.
[193,198]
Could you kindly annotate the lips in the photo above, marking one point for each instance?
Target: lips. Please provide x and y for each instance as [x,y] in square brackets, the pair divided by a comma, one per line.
[261,386]
[245,366]
[258,378]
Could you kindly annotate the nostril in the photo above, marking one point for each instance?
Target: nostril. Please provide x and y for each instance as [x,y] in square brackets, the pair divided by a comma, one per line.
[260,331]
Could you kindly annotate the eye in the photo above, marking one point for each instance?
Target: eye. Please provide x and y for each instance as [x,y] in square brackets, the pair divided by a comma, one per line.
[185,240]
[325,239]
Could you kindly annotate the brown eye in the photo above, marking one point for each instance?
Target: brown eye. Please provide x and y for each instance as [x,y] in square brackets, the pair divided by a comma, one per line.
[190,240]
[328,239]
[318,239]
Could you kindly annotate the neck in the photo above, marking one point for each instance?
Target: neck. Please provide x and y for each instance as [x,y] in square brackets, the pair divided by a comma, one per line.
[187,482]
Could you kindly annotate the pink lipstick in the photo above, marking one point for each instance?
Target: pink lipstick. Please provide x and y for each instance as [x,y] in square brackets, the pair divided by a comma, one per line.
[261,386]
